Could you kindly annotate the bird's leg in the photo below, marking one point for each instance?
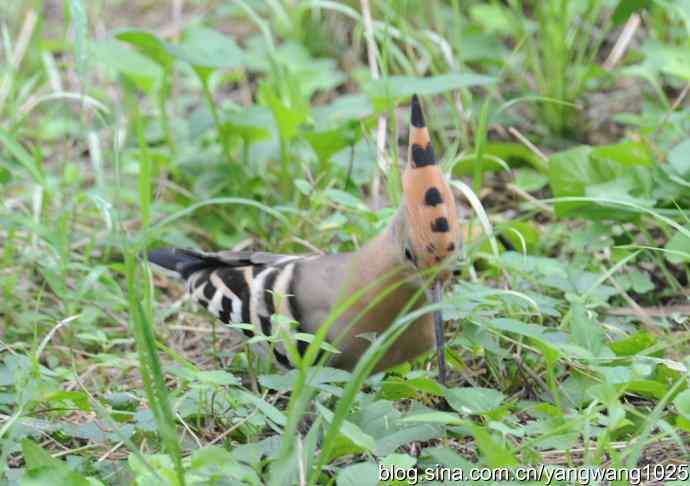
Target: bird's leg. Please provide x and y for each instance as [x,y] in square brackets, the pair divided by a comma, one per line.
[436,296]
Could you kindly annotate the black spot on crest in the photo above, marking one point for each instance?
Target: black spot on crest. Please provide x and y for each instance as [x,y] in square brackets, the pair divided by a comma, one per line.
[440,225]
[416,116]
[432,197]
[421,157]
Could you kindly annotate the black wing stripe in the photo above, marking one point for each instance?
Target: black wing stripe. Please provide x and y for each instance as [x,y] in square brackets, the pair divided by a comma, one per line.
[282,359]
[265,317]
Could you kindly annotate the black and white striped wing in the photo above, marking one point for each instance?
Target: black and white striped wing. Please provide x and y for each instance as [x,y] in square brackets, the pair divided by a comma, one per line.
[241,287]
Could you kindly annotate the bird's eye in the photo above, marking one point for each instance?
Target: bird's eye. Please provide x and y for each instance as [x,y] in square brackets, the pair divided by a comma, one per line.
[408,255]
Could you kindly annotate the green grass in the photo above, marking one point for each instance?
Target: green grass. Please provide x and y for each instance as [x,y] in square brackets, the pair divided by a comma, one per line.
[253,125]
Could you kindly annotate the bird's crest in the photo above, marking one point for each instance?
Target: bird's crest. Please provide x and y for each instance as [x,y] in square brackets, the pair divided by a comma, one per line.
[430,206]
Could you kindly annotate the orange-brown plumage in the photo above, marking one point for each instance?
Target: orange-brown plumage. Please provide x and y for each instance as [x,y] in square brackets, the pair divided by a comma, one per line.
[431,213]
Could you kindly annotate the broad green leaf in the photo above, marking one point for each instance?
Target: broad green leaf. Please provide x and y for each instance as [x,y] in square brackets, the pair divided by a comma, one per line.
[447,457]
[529,179]
[636,280]
[361,164]
[362,474]
[308,338]
[517,327]
[679,159]
[634,344]
[681,9]
[667,59]
[213,462]
[343,109]
[682,403]
[479,46]
[142,71]
[207,48]
[295,63]
[606,393]
[626,153]
[682,424]
[5,176]
[42,468]
[585,331]
[207,377]
[149,44]
[426,385]
[316,377]
[160,463]
[330,142]
[494,454]
[475,400]
[396,388]
[266,408]
[616,375]
[401,461]
[521,234]
[385,92]
[580,172]
[345,199]
[55,476]
[287,118]
[551,353]
[70,398]
[445,418]
[343,446]
[217,377]
[253,123]
[530,264]
[350,430]
[494,17]
[252,452]
[389,443]
[334,221]
[35,456]
[91,431]
[626,8]
[678,248]
[647,388]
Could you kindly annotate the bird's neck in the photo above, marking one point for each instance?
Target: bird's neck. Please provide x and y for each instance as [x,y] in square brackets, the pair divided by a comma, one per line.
[386,287]
[378,266]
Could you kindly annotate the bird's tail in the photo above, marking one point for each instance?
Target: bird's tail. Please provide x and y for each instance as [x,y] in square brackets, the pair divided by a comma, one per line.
[183,263]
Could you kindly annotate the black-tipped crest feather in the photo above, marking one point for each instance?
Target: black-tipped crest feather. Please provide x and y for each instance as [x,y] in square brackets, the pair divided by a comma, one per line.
[416,116]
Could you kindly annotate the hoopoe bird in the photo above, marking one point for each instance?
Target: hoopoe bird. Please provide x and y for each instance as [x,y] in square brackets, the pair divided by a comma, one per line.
[248,287]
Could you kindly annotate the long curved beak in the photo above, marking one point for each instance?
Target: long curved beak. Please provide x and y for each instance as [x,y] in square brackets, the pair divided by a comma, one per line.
[436,296]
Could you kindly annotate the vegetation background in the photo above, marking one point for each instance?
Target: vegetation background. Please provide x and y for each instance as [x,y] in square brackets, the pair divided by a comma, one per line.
[281,125]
